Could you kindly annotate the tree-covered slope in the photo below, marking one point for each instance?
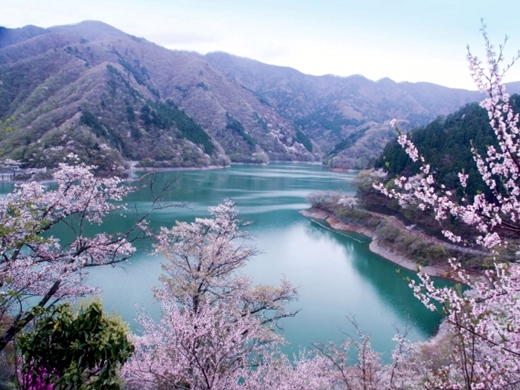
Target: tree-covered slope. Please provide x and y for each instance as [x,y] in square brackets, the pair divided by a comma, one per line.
[446,145]
[109,96]
[96,91]
[346,116]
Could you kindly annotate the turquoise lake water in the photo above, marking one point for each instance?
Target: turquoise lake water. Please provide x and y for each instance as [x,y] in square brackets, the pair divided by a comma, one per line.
[337,275]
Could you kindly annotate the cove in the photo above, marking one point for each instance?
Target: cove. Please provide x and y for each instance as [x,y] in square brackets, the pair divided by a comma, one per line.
[337,275]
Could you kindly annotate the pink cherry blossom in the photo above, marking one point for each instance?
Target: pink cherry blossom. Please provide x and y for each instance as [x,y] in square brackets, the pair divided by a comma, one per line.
[34,263]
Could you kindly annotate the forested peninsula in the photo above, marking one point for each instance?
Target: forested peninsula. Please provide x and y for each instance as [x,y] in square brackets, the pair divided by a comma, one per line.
[409,236]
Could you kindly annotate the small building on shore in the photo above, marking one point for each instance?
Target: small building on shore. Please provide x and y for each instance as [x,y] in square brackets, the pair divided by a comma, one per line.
[10,170]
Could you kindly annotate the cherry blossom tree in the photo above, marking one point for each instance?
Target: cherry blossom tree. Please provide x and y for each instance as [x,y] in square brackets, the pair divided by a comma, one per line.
[483,325]
[216,330]
[211,349]
[277,372]
[215,323]
[38,269]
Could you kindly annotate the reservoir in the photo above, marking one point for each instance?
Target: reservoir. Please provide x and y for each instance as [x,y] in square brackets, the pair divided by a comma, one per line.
[337,276]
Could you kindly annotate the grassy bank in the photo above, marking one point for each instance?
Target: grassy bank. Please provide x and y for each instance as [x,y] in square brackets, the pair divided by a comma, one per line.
[391,235]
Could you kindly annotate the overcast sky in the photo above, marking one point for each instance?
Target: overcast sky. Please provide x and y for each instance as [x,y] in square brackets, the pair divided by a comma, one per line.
[405,40]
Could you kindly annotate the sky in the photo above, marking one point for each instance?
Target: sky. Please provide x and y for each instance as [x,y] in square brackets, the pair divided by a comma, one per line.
[405,40]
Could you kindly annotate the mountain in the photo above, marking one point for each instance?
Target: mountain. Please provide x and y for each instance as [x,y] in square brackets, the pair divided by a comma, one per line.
[346,116]
[106,95]
[109,96]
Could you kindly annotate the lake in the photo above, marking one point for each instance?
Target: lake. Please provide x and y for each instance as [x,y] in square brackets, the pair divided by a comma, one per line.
[337,276]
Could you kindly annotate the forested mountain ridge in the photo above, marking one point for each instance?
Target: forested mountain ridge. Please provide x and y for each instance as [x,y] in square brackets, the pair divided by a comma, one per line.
[446,144]
[106,95]
[346,116]
[109,96]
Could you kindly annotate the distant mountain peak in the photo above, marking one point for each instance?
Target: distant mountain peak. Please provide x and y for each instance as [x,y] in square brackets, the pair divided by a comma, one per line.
[92,89]
[90,29]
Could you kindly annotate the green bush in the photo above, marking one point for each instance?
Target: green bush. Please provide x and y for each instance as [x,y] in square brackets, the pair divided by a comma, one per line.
[82,349]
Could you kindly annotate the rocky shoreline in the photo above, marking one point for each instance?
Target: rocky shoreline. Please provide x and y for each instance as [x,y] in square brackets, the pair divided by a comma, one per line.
[437,271]
[441,271]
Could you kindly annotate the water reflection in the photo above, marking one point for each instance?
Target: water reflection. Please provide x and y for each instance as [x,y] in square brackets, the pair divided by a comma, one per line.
[338,277]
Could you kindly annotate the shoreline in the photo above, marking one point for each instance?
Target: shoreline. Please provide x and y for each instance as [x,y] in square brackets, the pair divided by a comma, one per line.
[436,271]
[439,271]
[439,338]
[175,169]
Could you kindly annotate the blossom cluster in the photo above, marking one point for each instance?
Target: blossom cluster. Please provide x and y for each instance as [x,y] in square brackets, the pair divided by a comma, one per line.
[484,323]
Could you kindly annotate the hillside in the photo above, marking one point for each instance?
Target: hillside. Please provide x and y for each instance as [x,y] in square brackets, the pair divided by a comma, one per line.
[109,97]
[97,91]
[408,229]
[446,145]
[346,116]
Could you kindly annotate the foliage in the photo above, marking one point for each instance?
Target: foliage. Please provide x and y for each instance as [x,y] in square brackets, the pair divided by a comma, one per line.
[304,140]
[88,119]
[34,263]
[444,144]
[367,370]
[326,200]
[101,131]
[74,350]
[54,147]
[345,143]
[236,126]
[328,119]
[168,116]
[372,199]
[139,72]
[5,126]
[169,113]
[368,196]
